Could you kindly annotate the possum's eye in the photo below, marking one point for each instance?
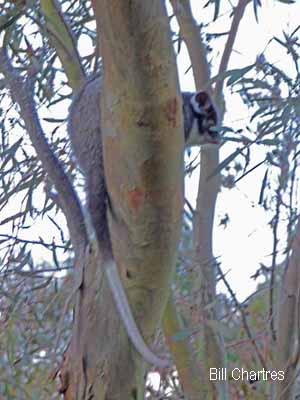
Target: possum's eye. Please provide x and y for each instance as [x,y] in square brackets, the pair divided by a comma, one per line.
[202,102]
[206,115]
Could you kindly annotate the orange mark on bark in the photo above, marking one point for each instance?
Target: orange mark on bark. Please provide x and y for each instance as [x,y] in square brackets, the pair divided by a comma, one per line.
[135,198]
[112,153]
[171,112]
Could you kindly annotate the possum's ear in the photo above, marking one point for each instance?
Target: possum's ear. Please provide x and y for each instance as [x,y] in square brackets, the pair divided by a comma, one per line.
[203,99]
[206,116]
[200,101]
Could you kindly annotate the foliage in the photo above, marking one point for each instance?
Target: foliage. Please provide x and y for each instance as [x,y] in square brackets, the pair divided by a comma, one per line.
[34,293]
[31,305]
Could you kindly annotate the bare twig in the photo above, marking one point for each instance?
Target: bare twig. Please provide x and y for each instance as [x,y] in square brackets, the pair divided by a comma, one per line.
[275,225]
[238,15]
[47,245]
[189,30]
[22,93]
[244,319]
[62,39]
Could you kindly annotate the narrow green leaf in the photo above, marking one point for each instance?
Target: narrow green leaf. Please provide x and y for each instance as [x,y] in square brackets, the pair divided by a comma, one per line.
[225,162]
[238,74]
[262,189]
[287,1]
[217,9]
[54,120]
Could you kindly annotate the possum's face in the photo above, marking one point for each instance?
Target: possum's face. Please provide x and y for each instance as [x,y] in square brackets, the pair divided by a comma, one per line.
[205,120]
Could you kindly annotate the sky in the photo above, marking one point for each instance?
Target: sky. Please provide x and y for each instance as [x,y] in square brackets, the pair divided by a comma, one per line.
[247,240]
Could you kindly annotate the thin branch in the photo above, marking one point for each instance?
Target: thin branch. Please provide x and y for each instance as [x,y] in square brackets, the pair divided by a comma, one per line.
[21,90]
[207,193]
[190,207]
[242,304]
[250,170]
[189,30]
[244,318]
[62,39]
[275,226]
[48,245]
[238,15]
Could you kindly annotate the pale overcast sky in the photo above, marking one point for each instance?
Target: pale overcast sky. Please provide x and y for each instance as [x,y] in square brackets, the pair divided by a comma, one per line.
[247,239]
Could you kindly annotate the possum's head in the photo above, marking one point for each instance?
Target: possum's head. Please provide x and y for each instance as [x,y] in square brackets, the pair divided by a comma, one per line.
[203,130]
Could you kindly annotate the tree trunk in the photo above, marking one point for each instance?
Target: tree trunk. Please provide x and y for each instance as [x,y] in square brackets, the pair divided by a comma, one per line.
[143,156]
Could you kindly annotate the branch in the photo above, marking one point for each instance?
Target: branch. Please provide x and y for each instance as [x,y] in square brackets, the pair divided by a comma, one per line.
[47,245]
[62,39]
[244,319]
[203,216]
[182,352]
[189,30]
[288,318]
[238,15]
[22,93]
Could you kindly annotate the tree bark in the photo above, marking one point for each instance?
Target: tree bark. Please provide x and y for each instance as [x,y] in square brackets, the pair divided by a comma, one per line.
[288,343]
[143,156]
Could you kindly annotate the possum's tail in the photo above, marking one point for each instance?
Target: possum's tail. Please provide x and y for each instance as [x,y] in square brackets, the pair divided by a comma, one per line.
[98,202]
[127,317]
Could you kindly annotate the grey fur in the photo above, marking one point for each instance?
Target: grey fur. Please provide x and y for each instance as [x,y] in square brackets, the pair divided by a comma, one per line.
[84,128]
[85,134]
[200,119]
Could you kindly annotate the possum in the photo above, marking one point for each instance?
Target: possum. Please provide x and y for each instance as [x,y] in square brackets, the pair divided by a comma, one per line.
[84,128]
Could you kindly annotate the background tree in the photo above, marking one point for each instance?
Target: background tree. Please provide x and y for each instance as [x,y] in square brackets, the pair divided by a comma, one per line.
[201,329]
